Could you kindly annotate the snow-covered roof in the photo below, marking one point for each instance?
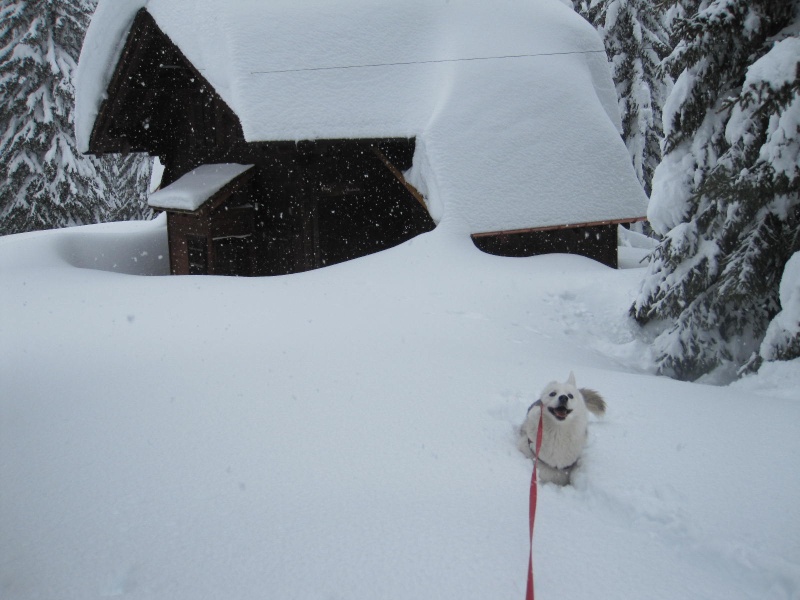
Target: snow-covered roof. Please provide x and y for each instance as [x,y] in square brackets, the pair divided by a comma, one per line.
[511,102]
[193,189]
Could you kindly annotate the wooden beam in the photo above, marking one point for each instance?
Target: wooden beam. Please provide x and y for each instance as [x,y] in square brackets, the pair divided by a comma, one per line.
[399,176]
[563,226]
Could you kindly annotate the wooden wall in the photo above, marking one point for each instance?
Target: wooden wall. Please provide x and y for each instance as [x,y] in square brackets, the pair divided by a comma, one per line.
[598,242]
[305,207]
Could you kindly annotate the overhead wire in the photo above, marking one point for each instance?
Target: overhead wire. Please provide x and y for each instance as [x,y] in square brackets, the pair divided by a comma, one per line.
[426,62]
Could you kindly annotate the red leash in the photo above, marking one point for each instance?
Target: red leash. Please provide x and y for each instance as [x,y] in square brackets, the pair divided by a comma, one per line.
[532,506]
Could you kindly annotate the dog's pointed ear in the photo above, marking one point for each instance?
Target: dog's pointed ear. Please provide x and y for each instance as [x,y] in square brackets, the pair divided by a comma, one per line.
[571,380]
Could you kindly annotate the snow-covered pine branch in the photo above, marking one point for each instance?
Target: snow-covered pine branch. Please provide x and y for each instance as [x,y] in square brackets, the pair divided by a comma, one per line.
[44,181]
[636,40]
[727,194]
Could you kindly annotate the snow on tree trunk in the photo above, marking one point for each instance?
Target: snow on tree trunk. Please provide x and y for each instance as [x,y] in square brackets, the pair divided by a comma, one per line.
[44,181]
[726,196]
[782,340]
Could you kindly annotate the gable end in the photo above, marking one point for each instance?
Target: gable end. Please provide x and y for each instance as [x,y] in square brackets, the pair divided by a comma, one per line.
[158,102]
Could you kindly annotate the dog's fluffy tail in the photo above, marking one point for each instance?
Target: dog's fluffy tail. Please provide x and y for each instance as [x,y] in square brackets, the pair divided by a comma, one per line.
[594,402]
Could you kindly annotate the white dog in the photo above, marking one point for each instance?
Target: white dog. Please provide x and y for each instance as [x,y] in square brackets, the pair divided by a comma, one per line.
[566,415]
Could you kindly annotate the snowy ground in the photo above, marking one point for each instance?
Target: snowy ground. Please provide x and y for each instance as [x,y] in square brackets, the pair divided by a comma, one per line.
[349,433]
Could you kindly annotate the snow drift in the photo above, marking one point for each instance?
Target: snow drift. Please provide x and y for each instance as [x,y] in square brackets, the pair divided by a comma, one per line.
[350,433]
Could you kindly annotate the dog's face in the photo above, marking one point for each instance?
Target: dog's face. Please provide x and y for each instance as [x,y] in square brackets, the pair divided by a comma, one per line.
[561,400]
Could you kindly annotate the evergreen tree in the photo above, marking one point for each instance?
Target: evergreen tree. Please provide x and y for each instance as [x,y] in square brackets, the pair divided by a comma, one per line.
[128,178]
[636,42]
[44,181]
[727,194]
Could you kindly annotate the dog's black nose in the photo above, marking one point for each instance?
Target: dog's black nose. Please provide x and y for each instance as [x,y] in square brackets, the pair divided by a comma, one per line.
[563,399]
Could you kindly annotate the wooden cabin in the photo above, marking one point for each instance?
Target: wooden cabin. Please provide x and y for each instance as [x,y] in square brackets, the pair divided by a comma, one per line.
[253,184]
[300,205]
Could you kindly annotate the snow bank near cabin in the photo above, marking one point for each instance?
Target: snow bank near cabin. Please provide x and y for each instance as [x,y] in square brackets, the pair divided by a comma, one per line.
[349,433]
[511,102]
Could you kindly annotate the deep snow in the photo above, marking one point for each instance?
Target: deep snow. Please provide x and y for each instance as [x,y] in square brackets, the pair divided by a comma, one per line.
[349,433]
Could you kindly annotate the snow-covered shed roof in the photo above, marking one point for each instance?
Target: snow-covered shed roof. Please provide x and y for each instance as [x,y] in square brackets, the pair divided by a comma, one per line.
[190,191]
[511,102]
